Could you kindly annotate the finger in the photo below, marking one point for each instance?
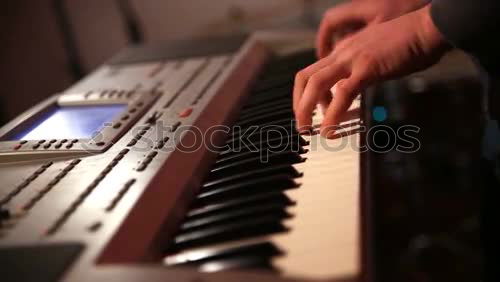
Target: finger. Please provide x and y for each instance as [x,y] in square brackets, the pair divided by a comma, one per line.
[303,76]
[317,85]
[345,93]
[333,20]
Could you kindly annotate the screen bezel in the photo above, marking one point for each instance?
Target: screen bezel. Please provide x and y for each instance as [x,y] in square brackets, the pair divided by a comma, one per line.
[135,106]
[26,119]
[24,130]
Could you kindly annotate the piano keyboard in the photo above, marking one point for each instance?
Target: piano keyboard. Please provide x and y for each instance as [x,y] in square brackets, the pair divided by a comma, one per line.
[271,205]
[277,200]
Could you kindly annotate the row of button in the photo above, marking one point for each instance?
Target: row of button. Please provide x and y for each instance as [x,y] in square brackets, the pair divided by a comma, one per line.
[69,144]
[147,160]
[72,208]
[161,143]
[120,195]
[31,203]
[204,90]
[175,126]
[138,136]
[19,188]
[113,93]
[186,83]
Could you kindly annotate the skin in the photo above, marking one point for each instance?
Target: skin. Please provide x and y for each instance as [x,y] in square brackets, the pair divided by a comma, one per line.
[379,51]
[355,15]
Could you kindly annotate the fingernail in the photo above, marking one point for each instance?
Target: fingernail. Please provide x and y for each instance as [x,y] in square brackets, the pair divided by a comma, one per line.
[328,133]
[305,130]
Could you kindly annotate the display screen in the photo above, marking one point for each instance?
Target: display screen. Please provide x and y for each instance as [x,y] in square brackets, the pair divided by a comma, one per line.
[70,122]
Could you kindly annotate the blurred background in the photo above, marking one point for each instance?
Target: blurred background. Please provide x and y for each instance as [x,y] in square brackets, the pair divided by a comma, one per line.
[47,45]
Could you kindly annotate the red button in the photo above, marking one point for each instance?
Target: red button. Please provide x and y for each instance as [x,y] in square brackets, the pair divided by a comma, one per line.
[18,146]
[187,112]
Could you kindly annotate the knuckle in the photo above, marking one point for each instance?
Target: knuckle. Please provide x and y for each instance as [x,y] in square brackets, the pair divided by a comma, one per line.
[343,57]
[300,76]
[342,88]
[367,58]
[316,82]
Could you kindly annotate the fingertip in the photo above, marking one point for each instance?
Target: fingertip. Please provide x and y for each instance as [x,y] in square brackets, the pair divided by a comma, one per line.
[304,126]
[306,130]
[328,132]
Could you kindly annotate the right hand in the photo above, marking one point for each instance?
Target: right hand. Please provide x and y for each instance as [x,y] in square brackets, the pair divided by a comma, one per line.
[377,53]
[359,14]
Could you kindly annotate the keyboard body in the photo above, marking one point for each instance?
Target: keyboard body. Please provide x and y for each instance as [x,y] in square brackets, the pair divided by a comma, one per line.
[181,195]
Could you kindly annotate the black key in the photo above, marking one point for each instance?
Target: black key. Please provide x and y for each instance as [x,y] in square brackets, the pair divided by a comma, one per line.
[283,91]
[275,197]
[279,182]
[290,63]
[283,97]
[266,118]
[269,224]
[264,249]
[236,215]
[285,125]
[265,110]
[296,140]
[285,146]
[239,262]
[266,106]
[277,100]
[273,82]
[257,163]
[273,170]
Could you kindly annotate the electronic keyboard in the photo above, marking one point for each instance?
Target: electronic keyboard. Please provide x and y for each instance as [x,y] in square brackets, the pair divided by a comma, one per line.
[181,162]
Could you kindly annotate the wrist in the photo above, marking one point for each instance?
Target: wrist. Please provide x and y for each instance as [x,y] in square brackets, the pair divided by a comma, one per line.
[429,37]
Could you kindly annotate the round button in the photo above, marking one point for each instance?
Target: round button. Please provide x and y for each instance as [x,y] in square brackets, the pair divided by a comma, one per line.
[74,141]
[36,146]
[23,142]
[58,146]
[53,141]
[64,141]
[47,146]
[69,146]
[41,141]
[100,144]
[125,117]
[117,125]
[133,110]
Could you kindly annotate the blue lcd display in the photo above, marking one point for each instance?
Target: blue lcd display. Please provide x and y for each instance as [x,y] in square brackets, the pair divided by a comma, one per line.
[71,122]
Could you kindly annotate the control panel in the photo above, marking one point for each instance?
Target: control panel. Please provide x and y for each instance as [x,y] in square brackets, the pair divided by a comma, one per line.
[73,124]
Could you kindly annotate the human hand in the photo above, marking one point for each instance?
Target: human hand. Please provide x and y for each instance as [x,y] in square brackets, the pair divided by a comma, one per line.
[383,51]
[359,14]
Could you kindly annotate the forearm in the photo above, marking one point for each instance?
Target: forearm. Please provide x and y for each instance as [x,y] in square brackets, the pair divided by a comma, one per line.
[470,25]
